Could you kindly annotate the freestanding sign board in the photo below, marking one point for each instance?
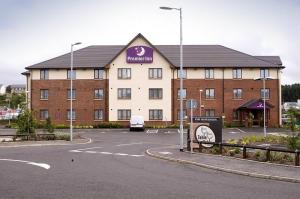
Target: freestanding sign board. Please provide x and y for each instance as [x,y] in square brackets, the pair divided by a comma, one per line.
[208,129]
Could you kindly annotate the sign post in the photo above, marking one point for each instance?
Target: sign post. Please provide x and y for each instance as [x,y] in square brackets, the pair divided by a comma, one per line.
[192,104]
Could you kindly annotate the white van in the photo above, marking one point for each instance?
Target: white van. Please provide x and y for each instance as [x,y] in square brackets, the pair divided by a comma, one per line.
[137,122]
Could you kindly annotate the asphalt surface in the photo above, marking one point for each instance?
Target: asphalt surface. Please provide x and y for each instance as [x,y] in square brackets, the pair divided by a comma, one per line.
[115,165]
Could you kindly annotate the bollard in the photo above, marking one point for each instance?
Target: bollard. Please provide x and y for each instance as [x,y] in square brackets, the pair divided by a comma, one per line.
[189,142]
[220,148]
[200,147]
[244,152]
[268,154]
[297,157]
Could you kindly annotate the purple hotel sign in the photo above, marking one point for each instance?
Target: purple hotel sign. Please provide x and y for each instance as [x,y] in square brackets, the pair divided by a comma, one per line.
[139,54]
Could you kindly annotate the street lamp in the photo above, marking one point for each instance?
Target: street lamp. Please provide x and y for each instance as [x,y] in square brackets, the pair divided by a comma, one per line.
[181,73]
[200,104]
[264,99]
[71,92]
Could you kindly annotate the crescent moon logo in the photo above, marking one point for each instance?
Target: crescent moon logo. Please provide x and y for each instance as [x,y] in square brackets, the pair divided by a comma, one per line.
[140,51]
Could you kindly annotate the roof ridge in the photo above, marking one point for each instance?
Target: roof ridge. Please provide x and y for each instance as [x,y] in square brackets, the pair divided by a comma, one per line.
[247,55]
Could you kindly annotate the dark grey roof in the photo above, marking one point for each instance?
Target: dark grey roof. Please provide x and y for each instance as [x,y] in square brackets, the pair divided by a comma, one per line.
[271,59]
[18,86]
[193,56]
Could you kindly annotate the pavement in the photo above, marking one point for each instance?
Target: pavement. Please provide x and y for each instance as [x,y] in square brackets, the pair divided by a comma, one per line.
[238,166]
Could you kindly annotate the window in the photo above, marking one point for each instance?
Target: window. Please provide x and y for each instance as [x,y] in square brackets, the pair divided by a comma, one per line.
[209,112]
[267,93]
[124,114]
[69,74]
[209,73]
[236,115]
[124,73]
[124,93]
[44,74]
[98,114]
[44,114]
[73,94]
[264,72]
[184,114]
[155,93]
[98,94]
[98,73]
[155,73]
[155,114]
[237,93]
[44,94]
[237,73]
[183,93]
[210,93]
[73,114]
[183,73]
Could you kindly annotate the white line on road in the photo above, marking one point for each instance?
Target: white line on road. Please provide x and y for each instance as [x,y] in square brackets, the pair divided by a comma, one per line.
[134,143]
[43,165]
[107,153]
[121,154]
[76,150]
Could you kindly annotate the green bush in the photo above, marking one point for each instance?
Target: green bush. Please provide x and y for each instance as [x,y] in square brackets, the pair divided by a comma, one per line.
[61,126]
[62,137]
[293,142]
[108,125]
[26,123]
[49,126]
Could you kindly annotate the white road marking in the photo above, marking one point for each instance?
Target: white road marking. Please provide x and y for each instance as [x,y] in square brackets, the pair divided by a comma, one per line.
[80,150]
[43,165]
[169,132]
[137,155]
[107,153]
[124,132]
[134,143]
[75,151]
[232,132]
[121,154]
[165,152]
[152,131]
[184,131]
[90,151]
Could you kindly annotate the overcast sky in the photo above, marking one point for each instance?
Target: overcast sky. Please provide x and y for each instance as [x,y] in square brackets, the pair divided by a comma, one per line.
[32,31]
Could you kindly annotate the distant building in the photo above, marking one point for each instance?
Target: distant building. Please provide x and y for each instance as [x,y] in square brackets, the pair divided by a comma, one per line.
[289,105]
[2,89]
[18,88]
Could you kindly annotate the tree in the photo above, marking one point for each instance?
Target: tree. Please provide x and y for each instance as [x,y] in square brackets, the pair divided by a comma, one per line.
[17,100]
[49,126]
[293,114]
[290,93]
[26,123]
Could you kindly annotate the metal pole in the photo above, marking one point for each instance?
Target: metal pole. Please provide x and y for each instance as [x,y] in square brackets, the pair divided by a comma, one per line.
[264,85]
[200,103]
[181,85]
[71,100]
[191,127]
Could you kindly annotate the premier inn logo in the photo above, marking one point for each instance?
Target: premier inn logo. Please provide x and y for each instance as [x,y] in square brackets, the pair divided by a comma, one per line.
[139,54]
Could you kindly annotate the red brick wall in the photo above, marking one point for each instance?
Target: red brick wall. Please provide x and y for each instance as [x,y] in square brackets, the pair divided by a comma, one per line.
[251,90]
[58,104]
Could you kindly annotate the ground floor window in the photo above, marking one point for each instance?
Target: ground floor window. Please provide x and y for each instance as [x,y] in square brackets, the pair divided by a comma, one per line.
[124,114]
[98,114]
[236,115]
[209,112]
[155,114]
[73,114]
[44,114]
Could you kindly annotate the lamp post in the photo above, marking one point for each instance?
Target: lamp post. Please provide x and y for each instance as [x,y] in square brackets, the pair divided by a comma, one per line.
[181,73]
[264,99]
[200,103]
[71,92]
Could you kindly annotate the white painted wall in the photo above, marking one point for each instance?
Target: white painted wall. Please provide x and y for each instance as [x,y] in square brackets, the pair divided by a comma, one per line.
[57,74]
[140,84]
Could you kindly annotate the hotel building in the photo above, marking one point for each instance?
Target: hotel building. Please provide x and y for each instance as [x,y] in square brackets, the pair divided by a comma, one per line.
[113,82]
